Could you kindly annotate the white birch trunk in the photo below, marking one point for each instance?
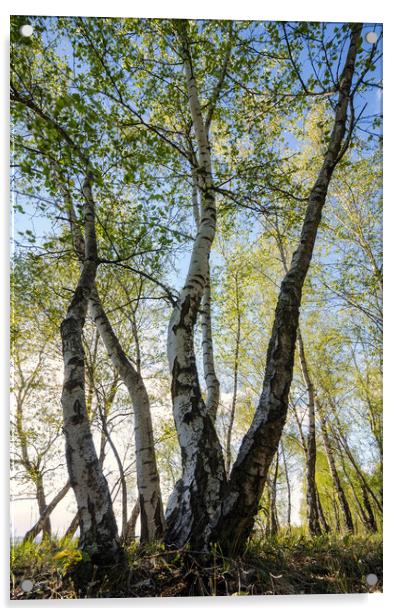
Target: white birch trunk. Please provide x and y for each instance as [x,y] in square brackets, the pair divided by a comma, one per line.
[98,529]
[211,380]
[152,520]
[197,495]
[235,379]
[148,484]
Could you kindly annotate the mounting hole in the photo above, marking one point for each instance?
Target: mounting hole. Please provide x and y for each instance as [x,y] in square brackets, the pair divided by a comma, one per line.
[371,37]
[26,585]
[26,30]
[371,579]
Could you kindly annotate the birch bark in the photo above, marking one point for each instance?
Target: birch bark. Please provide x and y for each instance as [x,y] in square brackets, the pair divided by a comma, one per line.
[235,377]
[211,380]
[148,484]
[152,520]
[98,529]
[197,495]
[259,445]
[313,503]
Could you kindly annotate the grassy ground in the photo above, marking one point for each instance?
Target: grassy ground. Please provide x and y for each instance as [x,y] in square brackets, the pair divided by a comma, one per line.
[287,564]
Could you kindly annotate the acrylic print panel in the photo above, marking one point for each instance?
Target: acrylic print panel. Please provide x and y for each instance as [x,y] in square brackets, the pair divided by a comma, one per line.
[196,307]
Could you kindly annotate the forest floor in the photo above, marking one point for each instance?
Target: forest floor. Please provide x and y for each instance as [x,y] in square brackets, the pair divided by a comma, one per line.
[285,565]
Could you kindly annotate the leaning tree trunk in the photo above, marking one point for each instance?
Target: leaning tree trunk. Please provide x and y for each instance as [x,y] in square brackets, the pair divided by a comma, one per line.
[148,484]
[98,528]
[72,528]
[152,521]
[344,443]
[259,445]
[104,422]
[336,514]
[197,495]
[313,506]
[33,471]
[343,501]
[368,523]
[45,514]
[371,522]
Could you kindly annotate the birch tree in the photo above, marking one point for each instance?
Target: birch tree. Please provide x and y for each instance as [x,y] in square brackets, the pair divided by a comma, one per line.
[150,499]
[98,529]
[197,495]
[260,443]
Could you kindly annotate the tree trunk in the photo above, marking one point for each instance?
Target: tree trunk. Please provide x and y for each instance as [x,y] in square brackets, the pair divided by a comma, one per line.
[311,449]
[197,495]
[105,431]
[371,523]
[320,512]
[72,528]
[40,524]
[211,380]
[131,525]
[352,460]
[152,519]
[261,441]
[42,504]
[32,467]
[235,383]
[287,479]
[336,514]
[98,529]
[148,484]
[334,475]
[313,505]
[368,523]
[274,523]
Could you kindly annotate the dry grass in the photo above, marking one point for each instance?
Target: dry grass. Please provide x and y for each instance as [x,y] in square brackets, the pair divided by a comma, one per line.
[287,564]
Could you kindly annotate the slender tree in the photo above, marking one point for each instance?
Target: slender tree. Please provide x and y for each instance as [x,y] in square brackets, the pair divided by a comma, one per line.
[197,495]
[98,529]
[261,441]
[346,512]
[151,506]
